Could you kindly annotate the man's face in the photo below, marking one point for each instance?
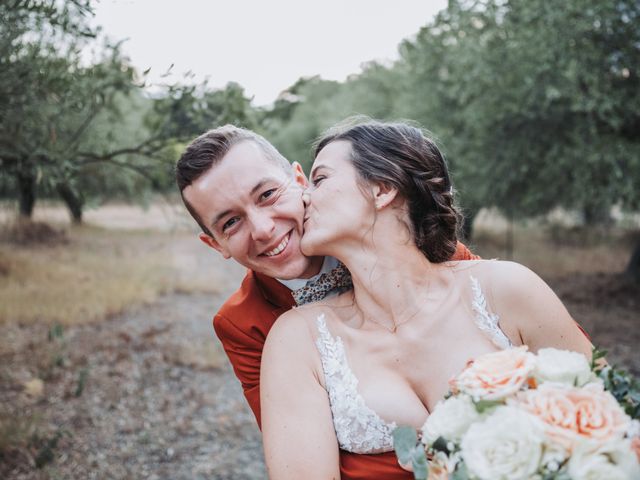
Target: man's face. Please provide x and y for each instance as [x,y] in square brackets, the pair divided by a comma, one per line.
[254,209]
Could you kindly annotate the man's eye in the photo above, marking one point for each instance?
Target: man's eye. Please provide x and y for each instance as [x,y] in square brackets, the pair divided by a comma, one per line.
[229,223]
[267,194]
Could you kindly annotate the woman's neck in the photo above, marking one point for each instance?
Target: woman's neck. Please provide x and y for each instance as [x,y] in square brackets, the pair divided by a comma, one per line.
[393,282]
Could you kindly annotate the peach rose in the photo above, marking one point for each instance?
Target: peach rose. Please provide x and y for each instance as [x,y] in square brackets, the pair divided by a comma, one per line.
[495,376]
[635,446]
[572,414]
[437,472]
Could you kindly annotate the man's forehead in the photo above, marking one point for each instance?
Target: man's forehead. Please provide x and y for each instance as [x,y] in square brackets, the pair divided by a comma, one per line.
[244,163]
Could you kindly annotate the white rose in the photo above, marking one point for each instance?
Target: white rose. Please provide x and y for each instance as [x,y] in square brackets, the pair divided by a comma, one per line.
[553,456]
[506,445]
[612,461]
[634,429]
[563,366]
[450,419]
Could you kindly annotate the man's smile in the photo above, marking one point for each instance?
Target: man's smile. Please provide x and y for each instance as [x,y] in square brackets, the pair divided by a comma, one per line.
[279,248]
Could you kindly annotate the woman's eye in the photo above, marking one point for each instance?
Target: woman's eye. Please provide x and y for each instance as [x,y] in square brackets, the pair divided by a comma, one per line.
[229,223]
[316,181]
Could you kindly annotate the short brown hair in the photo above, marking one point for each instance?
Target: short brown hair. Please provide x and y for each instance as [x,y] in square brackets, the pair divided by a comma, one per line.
[208,150]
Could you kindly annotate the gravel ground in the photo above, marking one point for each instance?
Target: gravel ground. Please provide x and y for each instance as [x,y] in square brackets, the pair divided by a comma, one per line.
[158,399]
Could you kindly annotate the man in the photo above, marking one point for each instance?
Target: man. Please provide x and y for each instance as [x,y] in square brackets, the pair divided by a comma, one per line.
[247,200]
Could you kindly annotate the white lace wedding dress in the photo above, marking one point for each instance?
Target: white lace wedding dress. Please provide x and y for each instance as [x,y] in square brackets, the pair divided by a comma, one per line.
[358,428]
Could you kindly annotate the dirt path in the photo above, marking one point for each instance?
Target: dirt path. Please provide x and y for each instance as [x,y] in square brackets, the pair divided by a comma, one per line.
[159,399]
[607,305]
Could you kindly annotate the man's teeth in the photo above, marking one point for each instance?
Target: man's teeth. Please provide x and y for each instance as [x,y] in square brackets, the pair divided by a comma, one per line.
[279,248]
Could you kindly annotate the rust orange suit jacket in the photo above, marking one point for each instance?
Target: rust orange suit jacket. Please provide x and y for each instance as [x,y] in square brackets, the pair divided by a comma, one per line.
[242,325]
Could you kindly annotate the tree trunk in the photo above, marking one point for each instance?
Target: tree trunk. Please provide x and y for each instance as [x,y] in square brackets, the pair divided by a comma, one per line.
[596,214]
[26,181]
[633,268]
[72,200]
[510,237]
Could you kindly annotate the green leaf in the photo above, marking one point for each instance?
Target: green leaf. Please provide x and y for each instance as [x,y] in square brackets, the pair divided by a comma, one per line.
[441,445]
[484,405]
[419,463]
[404,443]
[460,473]
[596,355]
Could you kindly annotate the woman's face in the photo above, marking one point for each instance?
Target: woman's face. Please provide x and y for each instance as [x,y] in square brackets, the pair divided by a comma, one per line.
[337,209]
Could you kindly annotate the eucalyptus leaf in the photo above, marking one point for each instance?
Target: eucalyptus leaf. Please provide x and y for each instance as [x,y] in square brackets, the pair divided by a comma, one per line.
[404,443]
[460,473]
[419,463]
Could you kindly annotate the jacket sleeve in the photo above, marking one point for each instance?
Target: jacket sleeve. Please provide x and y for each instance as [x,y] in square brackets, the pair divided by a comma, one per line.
[463,253]
[245,354]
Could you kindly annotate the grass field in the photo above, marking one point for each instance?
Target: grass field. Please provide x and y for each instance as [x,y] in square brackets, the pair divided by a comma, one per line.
[127,255]
[55,273]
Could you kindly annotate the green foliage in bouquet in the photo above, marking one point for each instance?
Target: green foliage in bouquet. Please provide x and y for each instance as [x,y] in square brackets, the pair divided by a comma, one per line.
[410,451]
[620,383]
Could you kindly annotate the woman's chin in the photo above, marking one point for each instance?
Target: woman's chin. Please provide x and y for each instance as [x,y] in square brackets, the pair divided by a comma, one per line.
[306,250]
[308,246]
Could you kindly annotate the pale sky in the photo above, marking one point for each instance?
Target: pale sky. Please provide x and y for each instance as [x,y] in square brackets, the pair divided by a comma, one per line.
[265,45]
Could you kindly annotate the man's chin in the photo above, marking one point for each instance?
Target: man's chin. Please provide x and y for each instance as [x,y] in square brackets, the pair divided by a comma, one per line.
[288,271]
[300,268]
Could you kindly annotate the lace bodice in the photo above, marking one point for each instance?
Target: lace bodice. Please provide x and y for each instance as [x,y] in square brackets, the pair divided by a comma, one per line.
[358,428]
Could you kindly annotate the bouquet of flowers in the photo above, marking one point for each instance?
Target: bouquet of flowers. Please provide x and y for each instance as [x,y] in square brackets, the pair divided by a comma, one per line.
[515,415]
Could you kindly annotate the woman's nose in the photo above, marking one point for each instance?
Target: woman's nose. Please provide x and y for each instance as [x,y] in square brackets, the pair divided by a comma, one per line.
[306,197]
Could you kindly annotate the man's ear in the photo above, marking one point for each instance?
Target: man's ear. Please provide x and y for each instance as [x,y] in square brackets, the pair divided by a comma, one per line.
[383,194]
[299,176]
[209,241]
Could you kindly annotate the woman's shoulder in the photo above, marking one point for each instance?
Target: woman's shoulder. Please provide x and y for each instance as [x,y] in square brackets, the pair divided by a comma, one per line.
[514,289]
[299,323]
[289,337]
[501,273]
[509,286]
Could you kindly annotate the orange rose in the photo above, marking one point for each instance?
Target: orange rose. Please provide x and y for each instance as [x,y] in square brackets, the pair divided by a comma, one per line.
[571,413]
[495,376]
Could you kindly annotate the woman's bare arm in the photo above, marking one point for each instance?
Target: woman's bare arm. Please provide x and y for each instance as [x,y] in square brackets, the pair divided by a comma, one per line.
[298,433]
[526,302]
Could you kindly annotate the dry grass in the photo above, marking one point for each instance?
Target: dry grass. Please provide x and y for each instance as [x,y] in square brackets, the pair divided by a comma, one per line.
[97,273]
[131,256]
[555,252]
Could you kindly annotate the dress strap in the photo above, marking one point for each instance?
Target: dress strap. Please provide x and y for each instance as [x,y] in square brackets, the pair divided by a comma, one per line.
[486,321]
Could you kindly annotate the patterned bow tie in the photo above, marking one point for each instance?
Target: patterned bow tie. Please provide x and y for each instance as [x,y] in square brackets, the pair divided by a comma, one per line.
[336,281]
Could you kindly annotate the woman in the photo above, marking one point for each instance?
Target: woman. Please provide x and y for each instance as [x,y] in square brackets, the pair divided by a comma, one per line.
[343,372]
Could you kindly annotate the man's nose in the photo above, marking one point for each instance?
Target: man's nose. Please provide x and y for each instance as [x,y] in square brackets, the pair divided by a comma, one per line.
[262,227]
